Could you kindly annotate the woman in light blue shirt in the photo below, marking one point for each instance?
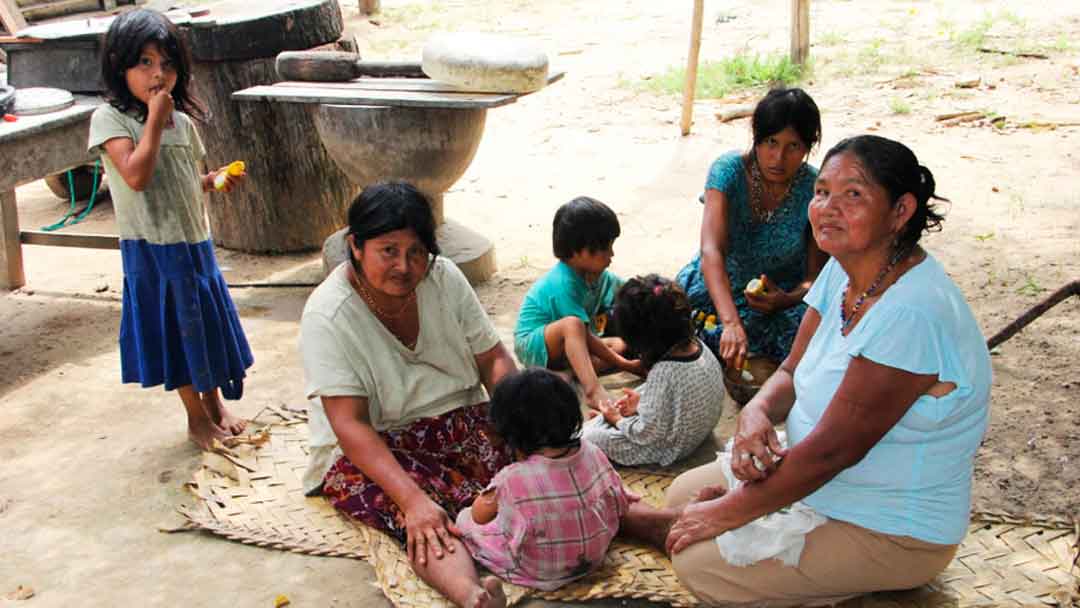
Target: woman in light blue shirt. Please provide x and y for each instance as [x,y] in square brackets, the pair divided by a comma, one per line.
[885,395]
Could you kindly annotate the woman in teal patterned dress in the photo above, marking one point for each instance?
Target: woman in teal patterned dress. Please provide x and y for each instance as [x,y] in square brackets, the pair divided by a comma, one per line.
[755,225]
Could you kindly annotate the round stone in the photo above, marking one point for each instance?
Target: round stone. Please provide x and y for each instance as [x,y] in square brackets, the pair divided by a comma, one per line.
[41,100]
[486,63]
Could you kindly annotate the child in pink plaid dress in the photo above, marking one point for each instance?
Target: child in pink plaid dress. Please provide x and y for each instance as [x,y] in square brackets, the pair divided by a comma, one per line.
[548,518]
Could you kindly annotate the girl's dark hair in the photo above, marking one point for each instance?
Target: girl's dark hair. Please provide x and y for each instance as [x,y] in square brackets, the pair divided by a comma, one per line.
[390,206]
[534,409]
[783,108]
[583,223]
[653,316]
[894,167]
[128,34]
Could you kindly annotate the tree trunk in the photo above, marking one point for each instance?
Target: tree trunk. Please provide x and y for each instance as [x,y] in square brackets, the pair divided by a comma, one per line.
[295,195]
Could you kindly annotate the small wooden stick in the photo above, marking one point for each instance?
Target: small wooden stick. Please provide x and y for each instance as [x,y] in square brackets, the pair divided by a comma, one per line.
[733,112]
[984,49]
[691,67]
[1071,289]
[952,115]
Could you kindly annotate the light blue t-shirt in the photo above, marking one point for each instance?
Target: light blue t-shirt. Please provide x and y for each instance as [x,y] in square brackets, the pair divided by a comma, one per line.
[560,293]
[917,480]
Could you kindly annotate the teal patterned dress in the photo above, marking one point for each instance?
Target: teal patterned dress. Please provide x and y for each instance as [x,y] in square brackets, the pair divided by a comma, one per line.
[776,248]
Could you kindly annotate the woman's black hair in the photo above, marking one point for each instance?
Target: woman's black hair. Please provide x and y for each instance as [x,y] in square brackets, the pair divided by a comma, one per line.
[128,34]
[783,108]
[535,408]
[389,206]
[653,316]
[896,169]
[583,223]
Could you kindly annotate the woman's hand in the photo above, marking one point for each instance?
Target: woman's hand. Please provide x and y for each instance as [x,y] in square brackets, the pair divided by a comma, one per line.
[697,522]
[427,529]
[770,300]
[733,344]
[757,449]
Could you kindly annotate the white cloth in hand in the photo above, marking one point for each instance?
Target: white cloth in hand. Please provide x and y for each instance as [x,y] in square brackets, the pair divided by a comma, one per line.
[780,535]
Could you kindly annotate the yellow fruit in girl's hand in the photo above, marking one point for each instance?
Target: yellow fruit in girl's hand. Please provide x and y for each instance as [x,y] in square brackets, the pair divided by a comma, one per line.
[755,287]
[235,168]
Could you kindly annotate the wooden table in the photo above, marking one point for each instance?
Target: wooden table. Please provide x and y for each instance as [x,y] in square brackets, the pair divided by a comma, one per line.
[32,148]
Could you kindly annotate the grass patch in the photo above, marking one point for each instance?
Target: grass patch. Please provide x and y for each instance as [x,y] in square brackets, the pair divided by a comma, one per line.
[831,39]
[975,36]
[899,106]
[717,79]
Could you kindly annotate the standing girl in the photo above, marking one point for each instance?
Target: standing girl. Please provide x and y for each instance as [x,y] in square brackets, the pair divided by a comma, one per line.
[679,404]
[179,326]
[548,518]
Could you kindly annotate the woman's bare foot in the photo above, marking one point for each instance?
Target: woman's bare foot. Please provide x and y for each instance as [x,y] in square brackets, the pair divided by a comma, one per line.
[489,594]
[221,415]
[202,433]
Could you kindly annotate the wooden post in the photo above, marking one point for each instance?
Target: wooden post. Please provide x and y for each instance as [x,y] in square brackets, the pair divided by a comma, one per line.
[800,31]
[11,263]
[11,16]
[691,67]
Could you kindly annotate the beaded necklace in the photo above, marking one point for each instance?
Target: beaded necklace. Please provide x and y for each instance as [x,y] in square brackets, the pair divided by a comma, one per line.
[383,315]
[845,320]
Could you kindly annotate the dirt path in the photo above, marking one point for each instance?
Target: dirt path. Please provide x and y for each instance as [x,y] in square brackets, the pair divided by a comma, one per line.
[91,468]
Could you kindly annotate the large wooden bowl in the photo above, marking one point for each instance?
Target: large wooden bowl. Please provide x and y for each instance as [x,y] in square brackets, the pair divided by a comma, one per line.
[742,390]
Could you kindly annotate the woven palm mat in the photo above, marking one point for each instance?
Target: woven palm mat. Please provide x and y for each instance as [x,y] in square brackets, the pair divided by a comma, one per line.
[252,493]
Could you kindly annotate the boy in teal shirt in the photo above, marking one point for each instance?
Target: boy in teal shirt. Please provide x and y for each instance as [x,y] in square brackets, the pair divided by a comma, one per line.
[565,313]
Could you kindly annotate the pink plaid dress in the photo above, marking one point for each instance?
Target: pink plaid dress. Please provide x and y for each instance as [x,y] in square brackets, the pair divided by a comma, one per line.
[556,519]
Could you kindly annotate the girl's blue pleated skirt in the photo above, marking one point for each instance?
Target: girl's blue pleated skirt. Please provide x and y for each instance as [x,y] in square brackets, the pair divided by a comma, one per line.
[179,324]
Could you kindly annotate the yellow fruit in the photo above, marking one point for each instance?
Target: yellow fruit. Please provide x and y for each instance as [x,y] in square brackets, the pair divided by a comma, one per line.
[755,287]
[235,169]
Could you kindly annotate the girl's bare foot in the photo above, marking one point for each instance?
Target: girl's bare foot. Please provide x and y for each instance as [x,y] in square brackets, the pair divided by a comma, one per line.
[708,493]
[202,433]
[230,423]
[649,524]
[594,397]
[221,415]
[489,594]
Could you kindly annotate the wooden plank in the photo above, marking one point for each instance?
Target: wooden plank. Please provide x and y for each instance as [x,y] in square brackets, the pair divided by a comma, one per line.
[53,239]
[405,99]
[690,84]
[59,8]
[425,85]
[11,262]
[11,16]
[800,31]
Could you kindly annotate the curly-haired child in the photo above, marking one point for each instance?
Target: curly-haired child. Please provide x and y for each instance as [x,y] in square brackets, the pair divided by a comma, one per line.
[679,404]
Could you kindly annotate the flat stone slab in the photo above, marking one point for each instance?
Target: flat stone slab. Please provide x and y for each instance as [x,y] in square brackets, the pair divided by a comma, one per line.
[395,92]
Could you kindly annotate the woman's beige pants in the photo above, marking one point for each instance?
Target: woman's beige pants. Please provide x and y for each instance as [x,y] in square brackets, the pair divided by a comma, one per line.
[840,561]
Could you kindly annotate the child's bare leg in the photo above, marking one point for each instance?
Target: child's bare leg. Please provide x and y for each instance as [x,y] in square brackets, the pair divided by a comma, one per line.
[455,577]
[221,415]
[201,429]
[649,524]
[568,338]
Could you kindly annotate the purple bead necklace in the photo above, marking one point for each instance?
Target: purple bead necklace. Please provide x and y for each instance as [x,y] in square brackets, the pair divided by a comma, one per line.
[845,320]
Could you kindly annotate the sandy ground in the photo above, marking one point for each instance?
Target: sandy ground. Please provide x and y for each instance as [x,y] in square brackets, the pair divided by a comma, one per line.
[91,468]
